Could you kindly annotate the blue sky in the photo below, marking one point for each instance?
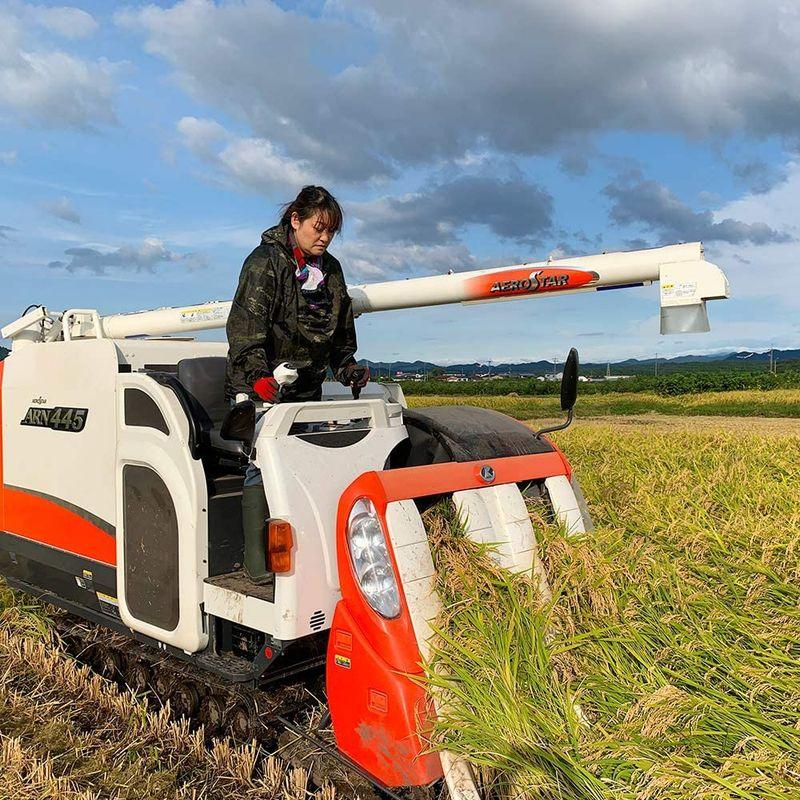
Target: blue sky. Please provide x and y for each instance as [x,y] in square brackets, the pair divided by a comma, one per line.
[144,147]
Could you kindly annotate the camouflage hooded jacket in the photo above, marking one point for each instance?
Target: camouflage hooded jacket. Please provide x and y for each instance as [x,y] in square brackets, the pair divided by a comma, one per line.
[271,321]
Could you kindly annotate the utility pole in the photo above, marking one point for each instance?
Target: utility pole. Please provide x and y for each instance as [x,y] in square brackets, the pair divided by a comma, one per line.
[773,367]
[655,367]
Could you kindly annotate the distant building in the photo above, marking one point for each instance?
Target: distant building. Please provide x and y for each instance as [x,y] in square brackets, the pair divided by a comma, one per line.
[604,378]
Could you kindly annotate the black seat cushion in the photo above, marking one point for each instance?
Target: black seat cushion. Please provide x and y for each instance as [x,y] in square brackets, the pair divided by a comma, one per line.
[203,378]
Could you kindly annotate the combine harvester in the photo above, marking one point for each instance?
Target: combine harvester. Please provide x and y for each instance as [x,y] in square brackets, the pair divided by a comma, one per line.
[120,502]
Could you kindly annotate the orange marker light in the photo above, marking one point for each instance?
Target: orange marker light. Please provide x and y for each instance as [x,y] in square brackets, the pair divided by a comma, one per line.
[279,546]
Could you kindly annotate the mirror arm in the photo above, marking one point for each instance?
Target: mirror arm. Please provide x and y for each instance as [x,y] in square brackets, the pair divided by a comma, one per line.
[556,427]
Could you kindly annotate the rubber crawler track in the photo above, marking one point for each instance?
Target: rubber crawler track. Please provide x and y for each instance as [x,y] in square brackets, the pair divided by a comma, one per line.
[223,708]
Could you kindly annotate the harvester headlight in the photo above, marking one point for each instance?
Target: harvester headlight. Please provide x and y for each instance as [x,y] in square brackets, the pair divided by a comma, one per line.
[370,556]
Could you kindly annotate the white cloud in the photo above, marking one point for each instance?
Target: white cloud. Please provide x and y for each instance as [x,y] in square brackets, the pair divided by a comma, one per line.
[512,208]
[9,157]
[66,21]
[144,257]
[257,163]
[771,270]
[413,82]
[250,163]
[367,262]
[652,205]
[63,209]
[201,135]
[51,87]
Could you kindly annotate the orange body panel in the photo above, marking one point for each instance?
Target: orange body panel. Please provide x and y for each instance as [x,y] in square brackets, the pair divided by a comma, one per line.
[380,713]
[49,523]
[410,482]
[383,711]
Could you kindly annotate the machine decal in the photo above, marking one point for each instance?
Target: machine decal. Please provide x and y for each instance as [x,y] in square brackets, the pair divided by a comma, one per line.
[210,313]
[525,281]
[85,580]
[343,661]
[108,604]
[60,418]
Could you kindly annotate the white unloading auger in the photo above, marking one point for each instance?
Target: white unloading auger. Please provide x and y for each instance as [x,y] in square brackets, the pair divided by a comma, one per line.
[687,282]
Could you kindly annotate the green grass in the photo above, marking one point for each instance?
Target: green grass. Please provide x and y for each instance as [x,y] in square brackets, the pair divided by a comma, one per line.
[667,667]
[750,403]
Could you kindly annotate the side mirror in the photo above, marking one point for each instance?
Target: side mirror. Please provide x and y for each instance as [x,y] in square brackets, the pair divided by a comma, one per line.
[569,381]
[239,424]
[569,391]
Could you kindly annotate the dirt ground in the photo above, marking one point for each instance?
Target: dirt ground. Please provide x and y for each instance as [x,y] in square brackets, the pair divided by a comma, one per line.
[765,426]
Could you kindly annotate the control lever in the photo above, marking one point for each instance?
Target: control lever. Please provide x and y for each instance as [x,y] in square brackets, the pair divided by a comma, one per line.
[288,372]
[356,390]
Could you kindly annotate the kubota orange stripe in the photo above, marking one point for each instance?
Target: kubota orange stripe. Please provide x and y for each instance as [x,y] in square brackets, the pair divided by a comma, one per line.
[47,522]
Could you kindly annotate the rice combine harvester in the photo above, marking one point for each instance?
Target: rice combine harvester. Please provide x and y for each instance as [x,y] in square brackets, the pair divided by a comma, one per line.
[121,469]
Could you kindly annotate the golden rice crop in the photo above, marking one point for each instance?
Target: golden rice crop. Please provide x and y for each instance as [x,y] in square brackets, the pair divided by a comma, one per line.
[745,403]
[666,665]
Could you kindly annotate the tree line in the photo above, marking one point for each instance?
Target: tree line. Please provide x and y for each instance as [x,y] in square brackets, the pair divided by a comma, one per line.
[665,385]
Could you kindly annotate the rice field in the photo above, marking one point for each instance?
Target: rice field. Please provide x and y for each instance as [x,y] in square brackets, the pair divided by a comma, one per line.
[667,662]
[750,403]
[665,665]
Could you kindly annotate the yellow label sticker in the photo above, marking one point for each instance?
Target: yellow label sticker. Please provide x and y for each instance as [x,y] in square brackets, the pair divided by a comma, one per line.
[107,598]
[202,314]
[342,661]
[87,574]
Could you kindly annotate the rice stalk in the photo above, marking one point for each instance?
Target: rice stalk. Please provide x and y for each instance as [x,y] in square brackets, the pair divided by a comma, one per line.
[667,662]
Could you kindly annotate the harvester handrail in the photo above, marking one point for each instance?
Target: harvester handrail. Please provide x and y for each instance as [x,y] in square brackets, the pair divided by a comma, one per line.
[72,314]
[280,418]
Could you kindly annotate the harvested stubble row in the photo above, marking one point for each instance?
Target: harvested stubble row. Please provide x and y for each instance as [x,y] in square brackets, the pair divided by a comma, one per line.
[67,733]
[667,664]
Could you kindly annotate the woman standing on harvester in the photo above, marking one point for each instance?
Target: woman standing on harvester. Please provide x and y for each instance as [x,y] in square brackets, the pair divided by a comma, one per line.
[291,305]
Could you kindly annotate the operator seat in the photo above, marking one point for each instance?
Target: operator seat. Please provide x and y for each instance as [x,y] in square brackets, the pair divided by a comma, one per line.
[203,379]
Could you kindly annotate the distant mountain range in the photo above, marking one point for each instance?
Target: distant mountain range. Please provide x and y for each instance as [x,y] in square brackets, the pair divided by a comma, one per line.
[728,359]
[743,358]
